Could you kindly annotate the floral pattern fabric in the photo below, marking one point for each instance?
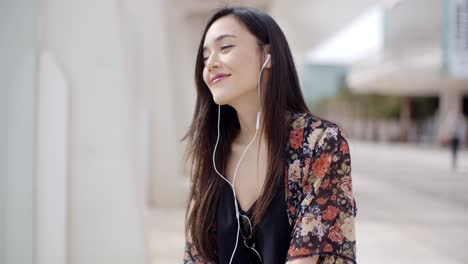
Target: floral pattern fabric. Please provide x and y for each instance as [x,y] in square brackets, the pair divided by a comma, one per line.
[320,200]
[318,192]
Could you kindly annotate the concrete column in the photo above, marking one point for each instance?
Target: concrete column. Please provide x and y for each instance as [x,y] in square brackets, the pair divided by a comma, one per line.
[18,59]
[52,163]
[450,96]
[161,71]
[90,41]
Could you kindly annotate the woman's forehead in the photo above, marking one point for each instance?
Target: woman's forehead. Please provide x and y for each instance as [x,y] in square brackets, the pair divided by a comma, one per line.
[227,26]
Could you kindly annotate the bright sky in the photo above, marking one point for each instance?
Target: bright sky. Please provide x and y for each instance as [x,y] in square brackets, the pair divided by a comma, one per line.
[361,38]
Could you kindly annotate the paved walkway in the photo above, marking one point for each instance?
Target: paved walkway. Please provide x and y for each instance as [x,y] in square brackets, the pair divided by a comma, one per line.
[412,208]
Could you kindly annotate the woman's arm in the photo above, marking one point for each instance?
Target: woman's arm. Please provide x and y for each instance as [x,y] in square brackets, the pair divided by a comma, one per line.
[306,260]
[191,254]
[324,225]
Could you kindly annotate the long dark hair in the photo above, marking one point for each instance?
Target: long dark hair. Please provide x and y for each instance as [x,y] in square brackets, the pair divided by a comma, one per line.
[282,95]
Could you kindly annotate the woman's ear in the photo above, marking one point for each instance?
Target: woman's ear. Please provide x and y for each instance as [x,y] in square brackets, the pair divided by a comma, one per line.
[266,51]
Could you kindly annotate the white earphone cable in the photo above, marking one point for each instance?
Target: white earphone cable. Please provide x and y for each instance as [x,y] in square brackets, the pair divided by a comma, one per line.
[257,125]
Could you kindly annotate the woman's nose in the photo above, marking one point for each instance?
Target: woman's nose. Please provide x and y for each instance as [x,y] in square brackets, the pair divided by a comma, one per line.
[212,62]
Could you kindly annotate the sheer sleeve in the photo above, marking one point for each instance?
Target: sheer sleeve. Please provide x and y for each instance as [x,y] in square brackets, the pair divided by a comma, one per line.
[191,255]
[325,221]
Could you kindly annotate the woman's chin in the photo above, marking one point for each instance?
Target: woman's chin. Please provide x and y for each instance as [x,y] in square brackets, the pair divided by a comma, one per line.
[220,99]
[220,102]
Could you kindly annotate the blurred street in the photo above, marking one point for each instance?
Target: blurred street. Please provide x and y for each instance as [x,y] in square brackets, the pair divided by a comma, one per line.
[412,208]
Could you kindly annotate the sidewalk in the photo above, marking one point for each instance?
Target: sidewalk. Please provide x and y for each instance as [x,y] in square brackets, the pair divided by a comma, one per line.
[412,208]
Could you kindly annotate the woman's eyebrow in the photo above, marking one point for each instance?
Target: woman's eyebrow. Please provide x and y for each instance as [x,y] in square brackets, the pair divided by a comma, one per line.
[219,38]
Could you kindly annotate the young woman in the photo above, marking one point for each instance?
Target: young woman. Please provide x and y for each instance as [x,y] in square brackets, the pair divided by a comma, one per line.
[270,182]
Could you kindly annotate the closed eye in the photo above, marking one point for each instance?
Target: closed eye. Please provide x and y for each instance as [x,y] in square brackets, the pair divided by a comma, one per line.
[226,47]
[222,48]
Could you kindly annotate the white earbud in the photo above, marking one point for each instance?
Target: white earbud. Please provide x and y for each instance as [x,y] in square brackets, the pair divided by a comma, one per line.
[259,113]
[268,56]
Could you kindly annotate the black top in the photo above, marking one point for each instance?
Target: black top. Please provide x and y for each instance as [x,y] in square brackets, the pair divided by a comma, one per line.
[271,237]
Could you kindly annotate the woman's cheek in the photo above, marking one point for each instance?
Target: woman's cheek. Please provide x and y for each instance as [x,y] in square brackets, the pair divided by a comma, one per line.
[205,77]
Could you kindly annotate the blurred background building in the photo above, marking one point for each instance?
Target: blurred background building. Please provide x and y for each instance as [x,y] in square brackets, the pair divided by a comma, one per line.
[96,95]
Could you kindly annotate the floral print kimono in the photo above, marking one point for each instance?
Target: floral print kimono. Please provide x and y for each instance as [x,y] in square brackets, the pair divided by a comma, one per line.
[318,192]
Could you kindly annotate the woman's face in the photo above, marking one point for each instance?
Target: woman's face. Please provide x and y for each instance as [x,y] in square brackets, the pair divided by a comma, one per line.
[232,61]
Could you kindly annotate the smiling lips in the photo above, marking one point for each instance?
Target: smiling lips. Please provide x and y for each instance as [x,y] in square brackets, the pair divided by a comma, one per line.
[219,77]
